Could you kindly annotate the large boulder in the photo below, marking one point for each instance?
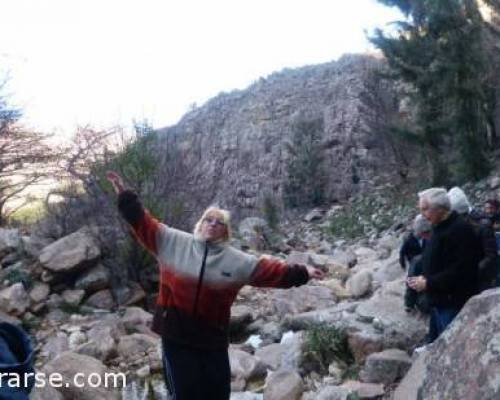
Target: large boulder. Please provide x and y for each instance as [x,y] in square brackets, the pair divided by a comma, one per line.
[89,370]
[71,253]
[283,385]
[464,362]
[14,299]
[245,367]
[386,367]
[285,302]
[93,280]
[10,240]
[360,283]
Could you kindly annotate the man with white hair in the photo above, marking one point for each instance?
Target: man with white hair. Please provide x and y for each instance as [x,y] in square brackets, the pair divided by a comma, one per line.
[449,262]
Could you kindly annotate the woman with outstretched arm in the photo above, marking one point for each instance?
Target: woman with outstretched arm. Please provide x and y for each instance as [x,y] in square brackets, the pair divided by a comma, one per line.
[200,276]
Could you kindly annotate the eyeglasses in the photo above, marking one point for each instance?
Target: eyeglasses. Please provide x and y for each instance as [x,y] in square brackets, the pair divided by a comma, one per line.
[214,221]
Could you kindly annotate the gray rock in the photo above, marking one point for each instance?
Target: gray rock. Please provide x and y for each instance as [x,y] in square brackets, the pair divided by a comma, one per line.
[45,392]
[39,292]
[286,302]
[136,344]
[245,366]
[55,345]
[241,316]
[271,355]
[314,215]
[14,299]
[33,245]
[101,344]
[464,361]
[71,253]
[102,299]
[10,241]
[365,390]
[73,297]
[330,393]
[256,123]
[93,280]
[136,317]
[385,367]
[68,365]
[360,284]
[283,385]
[246,396]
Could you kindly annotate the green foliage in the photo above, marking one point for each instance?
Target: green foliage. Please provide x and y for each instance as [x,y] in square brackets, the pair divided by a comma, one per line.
[306,177]
[29,214]
[353,396]
[69,308]
[18,276]
[371,213]
[439,50]
[270,211]
[325,344]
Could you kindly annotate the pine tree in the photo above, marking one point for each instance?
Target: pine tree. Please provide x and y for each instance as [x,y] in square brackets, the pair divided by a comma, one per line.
[439,51]
[306,177]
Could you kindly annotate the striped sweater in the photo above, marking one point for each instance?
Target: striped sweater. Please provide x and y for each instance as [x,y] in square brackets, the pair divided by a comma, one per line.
[200,280]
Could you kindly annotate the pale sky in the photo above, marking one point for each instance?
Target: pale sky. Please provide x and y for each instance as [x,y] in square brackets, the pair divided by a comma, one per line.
[106,62]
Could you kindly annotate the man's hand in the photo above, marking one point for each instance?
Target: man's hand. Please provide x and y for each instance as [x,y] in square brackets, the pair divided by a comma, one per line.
[116,181]
[314,273]
[418,283]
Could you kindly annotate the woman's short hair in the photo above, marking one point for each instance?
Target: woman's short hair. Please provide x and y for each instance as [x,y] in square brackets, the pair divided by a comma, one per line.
[225,215]
[436,198]
[459,201]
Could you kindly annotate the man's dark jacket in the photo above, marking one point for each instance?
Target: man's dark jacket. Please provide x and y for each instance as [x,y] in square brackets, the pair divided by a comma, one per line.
[450,263]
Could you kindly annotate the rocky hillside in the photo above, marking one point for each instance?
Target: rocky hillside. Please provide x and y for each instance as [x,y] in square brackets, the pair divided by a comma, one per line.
[235,146]
[347,337]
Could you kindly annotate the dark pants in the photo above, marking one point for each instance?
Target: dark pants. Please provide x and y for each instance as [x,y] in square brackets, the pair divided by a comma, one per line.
[196,374]
[439,320]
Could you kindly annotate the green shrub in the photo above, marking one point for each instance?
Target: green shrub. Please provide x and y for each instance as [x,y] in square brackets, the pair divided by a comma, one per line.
[325,344]
[29,214]
[19,275]
[271,212]
[376,212]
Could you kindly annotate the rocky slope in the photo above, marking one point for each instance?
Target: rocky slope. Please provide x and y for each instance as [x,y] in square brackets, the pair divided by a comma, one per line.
[282,340]
[234,147]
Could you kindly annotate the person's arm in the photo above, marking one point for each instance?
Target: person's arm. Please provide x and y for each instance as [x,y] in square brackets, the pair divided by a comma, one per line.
[145,227]
[272,272]
[402,254]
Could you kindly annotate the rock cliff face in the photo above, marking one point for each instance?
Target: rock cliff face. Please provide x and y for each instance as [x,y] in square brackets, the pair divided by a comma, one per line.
[235,146]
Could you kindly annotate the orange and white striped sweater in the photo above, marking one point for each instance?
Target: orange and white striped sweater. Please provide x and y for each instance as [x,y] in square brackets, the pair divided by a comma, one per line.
[199,280]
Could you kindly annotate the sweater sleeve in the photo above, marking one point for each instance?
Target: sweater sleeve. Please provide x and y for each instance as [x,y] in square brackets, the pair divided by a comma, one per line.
[272,272]
[145,227]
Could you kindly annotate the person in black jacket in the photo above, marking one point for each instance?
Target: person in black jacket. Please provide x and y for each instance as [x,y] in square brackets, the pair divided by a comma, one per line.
[410,253]
[483,228]
[450,261]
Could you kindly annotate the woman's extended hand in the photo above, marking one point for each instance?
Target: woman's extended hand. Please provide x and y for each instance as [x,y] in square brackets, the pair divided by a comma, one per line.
[116,181]
[315,273]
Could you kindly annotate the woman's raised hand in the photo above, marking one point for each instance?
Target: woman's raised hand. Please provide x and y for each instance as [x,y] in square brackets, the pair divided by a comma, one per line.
[116,181]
